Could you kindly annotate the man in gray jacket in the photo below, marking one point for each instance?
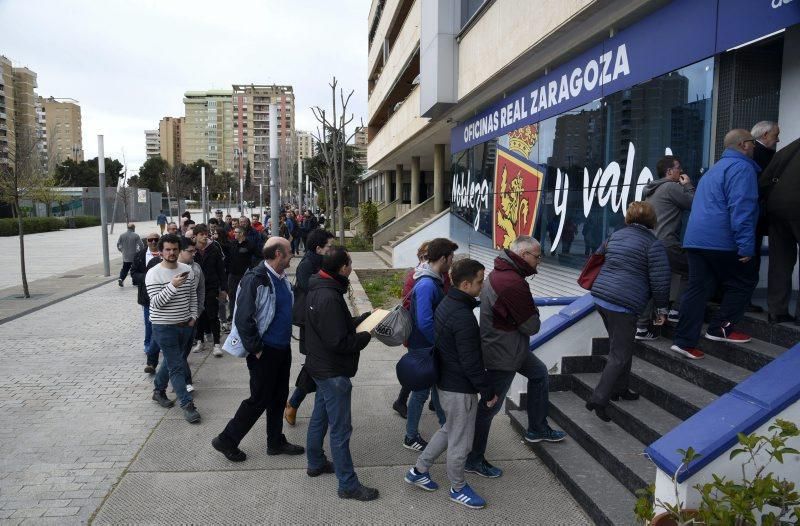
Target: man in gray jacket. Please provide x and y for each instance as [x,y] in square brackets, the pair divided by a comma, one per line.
[671,195]
[129,243]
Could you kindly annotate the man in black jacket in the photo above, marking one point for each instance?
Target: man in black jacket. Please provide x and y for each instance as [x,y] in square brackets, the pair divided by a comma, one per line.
[211,259]
[143,261]
[319,244]
[241,252]
[461,376]
[333,348]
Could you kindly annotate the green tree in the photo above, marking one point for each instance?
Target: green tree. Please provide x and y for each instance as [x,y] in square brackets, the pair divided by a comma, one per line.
[194,177]
[151,174]
[86,173]
[248,181]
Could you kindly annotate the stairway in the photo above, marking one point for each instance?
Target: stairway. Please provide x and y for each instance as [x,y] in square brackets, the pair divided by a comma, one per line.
[602,463]
[387,250]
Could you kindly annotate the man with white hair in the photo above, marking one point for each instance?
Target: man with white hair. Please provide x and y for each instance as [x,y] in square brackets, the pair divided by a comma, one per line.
[766,135]
[508,319]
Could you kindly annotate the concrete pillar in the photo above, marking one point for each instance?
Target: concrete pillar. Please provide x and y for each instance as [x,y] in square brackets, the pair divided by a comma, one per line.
[438,178]
[386,194]
[414,181]
[398,181]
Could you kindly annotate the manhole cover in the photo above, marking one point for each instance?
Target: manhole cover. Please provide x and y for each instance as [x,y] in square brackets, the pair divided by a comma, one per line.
[21,297]
[72,276]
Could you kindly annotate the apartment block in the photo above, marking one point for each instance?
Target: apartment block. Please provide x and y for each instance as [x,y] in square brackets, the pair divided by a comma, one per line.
[7,142]
[305,144]
[18,112]
[152,143]
[170,130]
[60,128]
[251,128]
[207,131]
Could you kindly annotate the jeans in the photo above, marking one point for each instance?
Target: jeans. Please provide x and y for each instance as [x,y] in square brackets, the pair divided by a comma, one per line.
[298,395]
[707,269]
[295,245]
[151,348]
[269,389]
[186,350]
[172,340]
[233,285]
[538,381]
[332,408]
[126,267]
[209,319]
[621,329]
[415,406]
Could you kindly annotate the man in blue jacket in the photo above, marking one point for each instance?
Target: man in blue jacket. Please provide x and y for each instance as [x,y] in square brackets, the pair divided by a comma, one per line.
[721,244]
[428,291]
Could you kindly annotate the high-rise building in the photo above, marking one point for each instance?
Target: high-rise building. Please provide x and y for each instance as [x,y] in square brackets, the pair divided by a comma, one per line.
[360,145]
[251,127]
[6,109]
[305,144]
[170,130]
[152,143]
[207,131]
[18,112]
[61,128]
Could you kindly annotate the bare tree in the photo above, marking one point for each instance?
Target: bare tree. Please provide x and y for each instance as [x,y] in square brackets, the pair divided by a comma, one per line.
[334,147]
[179,185]
[27,175]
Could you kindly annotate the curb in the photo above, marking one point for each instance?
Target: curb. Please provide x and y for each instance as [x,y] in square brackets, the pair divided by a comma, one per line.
[358,296]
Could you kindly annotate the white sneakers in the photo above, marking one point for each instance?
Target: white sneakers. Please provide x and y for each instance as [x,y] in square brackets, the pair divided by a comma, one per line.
[189,388]
[217,351]
[197,347]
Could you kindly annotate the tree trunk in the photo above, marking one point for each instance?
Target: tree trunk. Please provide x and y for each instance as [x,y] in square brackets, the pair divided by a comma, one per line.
[25,292]
[340,211]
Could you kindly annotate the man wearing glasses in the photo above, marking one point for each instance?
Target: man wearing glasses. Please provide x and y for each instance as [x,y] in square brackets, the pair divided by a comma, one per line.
[721,244]
[508,320]
[144,260]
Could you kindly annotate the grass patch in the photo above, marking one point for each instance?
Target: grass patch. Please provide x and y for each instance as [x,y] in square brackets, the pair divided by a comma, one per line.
[384,288]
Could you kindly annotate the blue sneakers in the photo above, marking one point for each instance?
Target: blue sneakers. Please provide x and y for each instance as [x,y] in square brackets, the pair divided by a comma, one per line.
[467,497]
[422,480]
[483,468]
[548,435]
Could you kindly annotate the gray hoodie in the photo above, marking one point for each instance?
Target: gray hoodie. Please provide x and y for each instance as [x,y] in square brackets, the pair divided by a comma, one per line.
[669,199]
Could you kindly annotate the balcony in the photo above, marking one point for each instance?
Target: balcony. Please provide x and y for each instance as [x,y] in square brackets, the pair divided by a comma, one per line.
[401,126]
[403,48]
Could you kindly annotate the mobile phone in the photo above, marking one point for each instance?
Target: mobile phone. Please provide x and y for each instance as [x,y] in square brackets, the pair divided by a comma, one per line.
[183,274]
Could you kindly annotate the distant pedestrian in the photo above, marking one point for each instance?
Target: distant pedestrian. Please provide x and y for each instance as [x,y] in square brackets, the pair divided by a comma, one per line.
[334,349]
[172,228]
[635,268]
[461,376]
[129,243]
[161,221]
[319,245]
[721,244]
[262,327]
[173,311]
[143,261]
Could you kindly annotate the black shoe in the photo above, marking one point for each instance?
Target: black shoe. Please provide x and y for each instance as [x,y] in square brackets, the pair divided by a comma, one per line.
[753,308]
[361,493]
[119,282]
[327,468]
[401,408]
[234,454]
[431,407]
[161,398]
[599,410]
[782,318]
[190,413]
[627,394]
[150,369]
[286,449]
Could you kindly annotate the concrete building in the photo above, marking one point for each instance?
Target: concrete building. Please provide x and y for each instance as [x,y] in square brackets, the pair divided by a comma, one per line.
[360,144]
[62,128]
[18,108]
[251,128]
[207,130]
[170,130]
[7,142]
[152,143]
[305,144]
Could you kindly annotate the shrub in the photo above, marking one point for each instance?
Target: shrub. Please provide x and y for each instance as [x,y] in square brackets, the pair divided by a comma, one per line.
[30,225]
[81,221]
[369,218]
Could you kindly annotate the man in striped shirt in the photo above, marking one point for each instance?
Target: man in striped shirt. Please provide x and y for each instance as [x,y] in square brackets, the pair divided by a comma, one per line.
[171,287]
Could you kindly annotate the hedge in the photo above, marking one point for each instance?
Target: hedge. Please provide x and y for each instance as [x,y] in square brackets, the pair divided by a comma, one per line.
[33,225]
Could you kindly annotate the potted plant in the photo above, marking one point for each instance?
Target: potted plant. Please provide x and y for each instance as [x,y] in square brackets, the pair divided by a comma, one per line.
[763,498]
[675,514]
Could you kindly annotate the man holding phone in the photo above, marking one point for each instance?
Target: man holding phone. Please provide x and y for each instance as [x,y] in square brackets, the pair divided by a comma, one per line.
[171,287]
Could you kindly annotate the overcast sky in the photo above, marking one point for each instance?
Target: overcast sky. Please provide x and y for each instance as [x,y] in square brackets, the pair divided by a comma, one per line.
[129,62]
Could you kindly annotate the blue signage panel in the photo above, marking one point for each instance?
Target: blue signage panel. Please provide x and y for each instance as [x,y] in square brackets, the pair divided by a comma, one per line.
[741,21]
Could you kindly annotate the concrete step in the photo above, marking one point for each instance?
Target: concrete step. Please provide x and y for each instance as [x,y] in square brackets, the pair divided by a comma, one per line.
[602,496]
[384,255]
[758,326]
[618,451]
[710,373]
[643,419]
